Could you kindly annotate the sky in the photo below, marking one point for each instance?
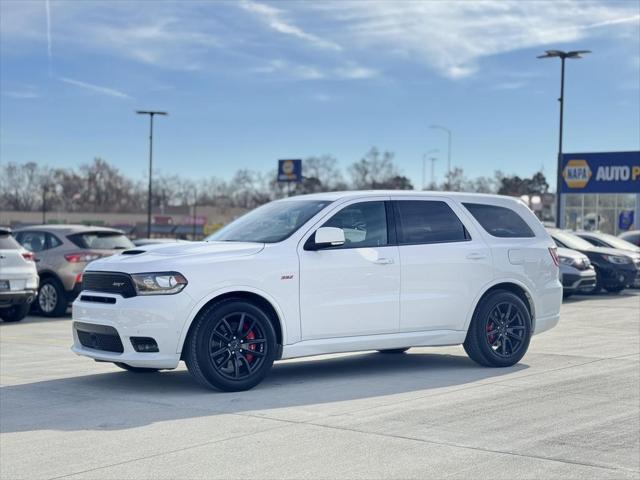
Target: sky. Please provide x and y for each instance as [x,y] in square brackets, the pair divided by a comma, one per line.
[248,82]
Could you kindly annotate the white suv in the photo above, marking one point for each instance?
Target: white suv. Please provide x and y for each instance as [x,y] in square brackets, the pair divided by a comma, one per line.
[325,273]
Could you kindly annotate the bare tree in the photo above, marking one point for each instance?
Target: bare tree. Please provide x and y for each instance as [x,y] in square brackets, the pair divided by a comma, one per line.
[374,170]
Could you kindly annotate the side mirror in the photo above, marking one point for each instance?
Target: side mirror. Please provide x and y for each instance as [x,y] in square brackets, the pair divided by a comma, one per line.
[327,237]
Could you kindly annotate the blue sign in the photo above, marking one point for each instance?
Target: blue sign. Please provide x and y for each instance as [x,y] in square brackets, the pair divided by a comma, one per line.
[289,170]
[625,219]
[610,172]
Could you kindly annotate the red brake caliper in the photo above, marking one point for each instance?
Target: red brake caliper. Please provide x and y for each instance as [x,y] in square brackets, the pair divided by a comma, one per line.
[250,336]
[489,328]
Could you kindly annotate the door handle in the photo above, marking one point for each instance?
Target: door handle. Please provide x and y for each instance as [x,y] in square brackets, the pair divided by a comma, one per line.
[383,261]
[476,256]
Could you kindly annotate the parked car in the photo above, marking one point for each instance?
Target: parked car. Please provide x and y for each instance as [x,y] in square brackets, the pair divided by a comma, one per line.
[632,236]
[154,241]
[61,254]
[18,278]
[325,273]
[576,272]
[600,239]
[615,269]
[606,240]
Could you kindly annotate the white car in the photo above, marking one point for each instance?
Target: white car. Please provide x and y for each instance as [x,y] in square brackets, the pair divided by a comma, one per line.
[326,273]
[18,278]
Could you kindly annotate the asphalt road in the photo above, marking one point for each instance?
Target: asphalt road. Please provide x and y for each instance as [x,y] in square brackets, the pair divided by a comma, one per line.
[570,409]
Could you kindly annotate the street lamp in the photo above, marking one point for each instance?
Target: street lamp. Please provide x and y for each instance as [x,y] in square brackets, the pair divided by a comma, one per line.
[445,129]
[151,113]
[575,54]
[424,166]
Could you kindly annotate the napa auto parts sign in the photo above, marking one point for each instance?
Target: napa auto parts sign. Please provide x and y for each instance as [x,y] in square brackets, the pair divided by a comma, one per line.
[609,172]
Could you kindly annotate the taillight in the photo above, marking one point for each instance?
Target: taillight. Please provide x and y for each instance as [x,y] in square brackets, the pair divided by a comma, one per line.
[79,278]
[553,251]
[81,257]
[29,256]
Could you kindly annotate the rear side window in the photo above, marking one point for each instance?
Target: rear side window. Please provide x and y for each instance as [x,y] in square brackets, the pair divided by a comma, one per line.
[499,221]
[428,222]
[101,240]
[7,242]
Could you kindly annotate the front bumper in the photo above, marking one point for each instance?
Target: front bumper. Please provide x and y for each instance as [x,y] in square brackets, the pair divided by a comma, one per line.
[17,297]
[160,317]
[579,280]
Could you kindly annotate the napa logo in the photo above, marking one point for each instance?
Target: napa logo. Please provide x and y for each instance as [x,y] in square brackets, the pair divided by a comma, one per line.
[576,173]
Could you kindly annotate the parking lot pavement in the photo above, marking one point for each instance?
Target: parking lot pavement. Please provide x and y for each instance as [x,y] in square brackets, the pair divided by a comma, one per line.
[570,409]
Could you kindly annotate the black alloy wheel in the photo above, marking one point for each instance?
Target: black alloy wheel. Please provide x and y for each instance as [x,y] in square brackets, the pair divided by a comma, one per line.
[231,345]
[500,330]
[505,330]
[238,346]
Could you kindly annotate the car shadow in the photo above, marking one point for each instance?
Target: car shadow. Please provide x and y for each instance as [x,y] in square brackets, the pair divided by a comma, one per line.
[123,400]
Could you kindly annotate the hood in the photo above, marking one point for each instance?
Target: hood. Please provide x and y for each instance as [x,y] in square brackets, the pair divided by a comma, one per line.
[568,253]
[610,251]
[161,257]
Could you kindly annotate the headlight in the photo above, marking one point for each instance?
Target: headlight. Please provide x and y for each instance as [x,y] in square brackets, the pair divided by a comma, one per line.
[567,261]
[160,283]
[617,259]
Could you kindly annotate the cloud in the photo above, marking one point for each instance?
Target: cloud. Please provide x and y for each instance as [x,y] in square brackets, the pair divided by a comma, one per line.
[94,88]
[27,94]
[453,37]
[274,18]
[49,41]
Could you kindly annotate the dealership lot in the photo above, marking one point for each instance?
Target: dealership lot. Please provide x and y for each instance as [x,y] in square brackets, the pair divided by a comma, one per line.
[570,409]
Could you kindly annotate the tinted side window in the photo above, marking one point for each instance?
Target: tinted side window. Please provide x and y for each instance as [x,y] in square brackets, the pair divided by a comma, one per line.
[33,241]
[499,221]
[428,222]
[364,224]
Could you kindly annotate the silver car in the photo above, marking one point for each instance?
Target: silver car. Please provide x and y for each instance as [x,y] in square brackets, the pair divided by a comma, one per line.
[61,254]
[18,278]
[576,272]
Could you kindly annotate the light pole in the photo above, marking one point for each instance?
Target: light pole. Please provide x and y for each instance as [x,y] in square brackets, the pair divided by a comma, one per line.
[151,113]
[575,54]
[424,167]
[448,131]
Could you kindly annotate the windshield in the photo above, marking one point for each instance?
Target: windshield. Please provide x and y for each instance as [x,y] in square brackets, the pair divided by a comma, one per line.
[571,241]
[101,240]
[270,223]
[616,242]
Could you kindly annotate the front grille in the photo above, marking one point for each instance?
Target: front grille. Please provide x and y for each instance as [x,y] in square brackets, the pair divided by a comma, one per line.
[109,282]
[99,337]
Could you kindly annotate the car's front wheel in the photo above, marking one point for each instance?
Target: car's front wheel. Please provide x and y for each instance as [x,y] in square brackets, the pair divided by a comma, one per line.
[52,301]
[500,330]
[15,313]
[231,346]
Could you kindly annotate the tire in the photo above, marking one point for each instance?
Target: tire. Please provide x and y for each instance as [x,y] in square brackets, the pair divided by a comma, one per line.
[394,350]
[129,368]
[52,300]
[15,313]
[616,289]
[513,317]
[231,346]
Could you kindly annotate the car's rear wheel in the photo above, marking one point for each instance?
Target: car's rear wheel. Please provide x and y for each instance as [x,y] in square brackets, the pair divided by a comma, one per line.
[394,350]
[52,301]
[15,313]
[232,346]
[129,368]
[500,330]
